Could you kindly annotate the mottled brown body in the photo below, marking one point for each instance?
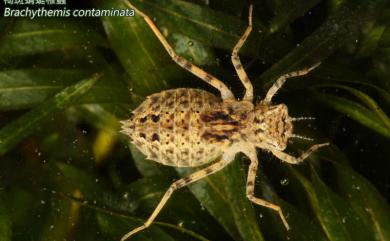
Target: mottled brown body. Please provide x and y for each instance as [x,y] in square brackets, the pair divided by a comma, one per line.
[183,127]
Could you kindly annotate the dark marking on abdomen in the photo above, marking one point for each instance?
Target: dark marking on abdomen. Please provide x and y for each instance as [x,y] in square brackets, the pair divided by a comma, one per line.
[214,137]
[215,116]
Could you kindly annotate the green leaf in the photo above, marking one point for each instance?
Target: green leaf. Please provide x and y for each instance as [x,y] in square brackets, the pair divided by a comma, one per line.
[76,179]
[28,37]
[25,88]
[117,227]
[336,217]
[193,50]
[371,40]
[5,222]
[342,72]
[367,100]
[365,200]
[342,27]
[15,131]
[58,225]
[22,203]
[287,11]
[356,111]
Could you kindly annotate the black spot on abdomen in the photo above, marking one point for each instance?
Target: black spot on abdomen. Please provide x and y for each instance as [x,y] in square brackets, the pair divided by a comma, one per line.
[155,137]
[155,118]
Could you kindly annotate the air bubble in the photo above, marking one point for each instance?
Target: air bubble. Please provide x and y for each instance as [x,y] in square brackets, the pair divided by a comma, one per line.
[180,224]
[284,182]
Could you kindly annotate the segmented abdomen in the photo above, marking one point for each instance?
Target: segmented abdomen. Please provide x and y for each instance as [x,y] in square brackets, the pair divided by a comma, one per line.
[167,127]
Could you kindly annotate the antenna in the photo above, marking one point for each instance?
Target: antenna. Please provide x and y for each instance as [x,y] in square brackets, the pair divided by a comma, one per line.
[301,137]
[302,118]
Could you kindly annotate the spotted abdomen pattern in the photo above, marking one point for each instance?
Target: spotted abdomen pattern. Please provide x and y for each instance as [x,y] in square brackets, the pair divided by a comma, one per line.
[168,127]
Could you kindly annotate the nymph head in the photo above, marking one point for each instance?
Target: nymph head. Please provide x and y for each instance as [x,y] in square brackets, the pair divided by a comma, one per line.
[272,126]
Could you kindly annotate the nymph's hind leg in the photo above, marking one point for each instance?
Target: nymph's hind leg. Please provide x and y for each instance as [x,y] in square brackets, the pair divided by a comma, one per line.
[213,81]
[250,188]
[237,62]
[176,185]
[282,79]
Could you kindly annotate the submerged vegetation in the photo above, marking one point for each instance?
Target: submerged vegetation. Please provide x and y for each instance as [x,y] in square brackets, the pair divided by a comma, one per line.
[67,174]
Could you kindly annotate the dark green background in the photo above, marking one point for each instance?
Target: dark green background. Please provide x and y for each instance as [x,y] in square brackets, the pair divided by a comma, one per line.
[67,174]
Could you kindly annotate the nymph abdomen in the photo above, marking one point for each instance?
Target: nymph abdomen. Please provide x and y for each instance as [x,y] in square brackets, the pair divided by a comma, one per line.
[167,127]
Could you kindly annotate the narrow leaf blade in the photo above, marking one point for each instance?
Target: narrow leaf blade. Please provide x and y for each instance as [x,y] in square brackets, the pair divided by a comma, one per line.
[365,200]
[355,111]
[15,131]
